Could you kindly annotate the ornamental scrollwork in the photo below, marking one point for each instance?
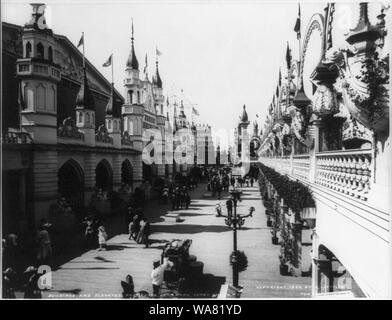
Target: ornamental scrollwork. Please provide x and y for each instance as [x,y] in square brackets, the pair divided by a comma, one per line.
[364,72]
[102,135]
[68,129]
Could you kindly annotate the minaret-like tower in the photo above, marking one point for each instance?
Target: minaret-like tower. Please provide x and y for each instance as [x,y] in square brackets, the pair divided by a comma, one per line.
[243,136]
[133,109]
[160,117]
[85,111]
[39,74]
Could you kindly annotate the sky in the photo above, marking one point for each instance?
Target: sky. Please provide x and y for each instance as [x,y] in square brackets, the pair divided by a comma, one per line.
[222,54]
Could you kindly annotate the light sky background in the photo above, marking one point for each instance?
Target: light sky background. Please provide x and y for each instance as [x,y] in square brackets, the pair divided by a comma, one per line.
[223,54]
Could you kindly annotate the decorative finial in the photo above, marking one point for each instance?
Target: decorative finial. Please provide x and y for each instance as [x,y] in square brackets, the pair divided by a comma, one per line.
[132,38]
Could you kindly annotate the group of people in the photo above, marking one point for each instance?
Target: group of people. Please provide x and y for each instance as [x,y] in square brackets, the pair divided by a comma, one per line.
[139,228]
[15,274]
[94,233]
[180,197]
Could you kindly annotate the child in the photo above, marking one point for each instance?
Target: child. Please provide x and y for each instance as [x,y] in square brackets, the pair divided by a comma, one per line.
[102,238]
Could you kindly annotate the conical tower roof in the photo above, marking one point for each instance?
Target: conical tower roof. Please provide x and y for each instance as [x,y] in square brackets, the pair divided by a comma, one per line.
[132,60]
[85,99]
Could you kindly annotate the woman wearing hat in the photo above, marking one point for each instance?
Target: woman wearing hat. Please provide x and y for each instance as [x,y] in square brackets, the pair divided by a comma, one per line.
[44,243]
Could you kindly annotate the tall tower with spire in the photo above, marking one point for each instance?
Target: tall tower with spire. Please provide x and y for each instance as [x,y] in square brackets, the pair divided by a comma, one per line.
[133,109]
[85,111]
[160,117]
[243,135]
[38,75]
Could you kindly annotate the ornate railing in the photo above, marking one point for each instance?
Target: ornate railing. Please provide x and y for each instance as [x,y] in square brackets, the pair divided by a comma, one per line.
[10,137]
[347,172]
[301,166]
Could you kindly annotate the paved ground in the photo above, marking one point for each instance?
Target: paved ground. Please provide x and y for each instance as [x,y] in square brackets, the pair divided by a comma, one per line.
[97,274]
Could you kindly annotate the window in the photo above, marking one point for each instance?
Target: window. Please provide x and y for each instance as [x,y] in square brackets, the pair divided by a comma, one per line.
[41,97]
[109,124]
[138,97]
[50,54]
[40,51]
[130,96]
[29,96]
[28,50]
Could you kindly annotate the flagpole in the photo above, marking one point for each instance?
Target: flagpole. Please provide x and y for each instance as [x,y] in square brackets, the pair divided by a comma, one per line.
[112,69]
[84,59]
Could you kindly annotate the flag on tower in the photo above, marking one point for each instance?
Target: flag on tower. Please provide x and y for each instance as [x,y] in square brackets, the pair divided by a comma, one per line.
[81,41]
[195,112]
[145,67]
[108,62]
[158,53]
[297,27]
[288,57]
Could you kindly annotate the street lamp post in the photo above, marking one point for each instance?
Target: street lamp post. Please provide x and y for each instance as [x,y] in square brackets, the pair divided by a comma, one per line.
[235,221]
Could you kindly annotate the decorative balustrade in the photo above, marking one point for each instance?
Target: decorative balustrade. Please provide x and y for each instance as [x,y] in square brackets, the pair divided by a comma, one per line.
[301,166]
[16,138]
[347,172]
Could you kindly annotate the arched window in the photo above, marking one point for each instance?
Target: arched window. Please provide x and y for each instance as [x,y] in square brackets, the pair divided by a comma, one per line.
[28,50]
[50,54]
[41,97]
[115,125]
[130,96]
[40,51]
[87,117]
[109,124]
[80,118]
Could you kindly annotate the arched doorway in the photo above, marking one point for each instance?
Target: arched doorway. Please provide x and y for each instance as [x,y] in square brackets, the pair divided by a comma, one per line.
[104,175]
[71,183]
[147,172]
[127,172]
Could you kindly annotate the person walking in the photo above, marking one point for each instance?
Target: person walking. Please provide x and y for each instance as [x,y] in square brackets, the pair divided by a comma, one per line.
[89,233]
[144,232]
[44,243]
[102,238]
[157,275]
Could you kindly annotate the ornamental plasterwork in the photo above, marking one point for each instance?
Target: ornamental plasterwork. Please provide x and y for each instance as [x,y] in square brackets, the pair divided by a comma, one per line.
[316,24]
[68,129]
[325,101]
[364,72]
[102,135]
[353,129]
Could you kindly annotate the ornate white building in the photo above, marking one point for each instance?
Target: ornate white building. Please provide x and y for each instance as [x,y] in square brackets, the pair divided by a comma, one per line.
[328,128]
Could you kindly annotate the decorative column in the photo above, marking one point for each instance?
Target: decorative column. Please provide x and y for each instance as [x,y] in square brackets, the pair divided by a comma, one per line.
[89,176]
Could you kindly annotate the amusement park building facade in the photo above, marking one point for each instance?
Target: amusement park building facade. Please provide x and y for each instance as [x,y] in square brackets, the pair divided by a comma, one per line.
[66,130]
[327,127]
